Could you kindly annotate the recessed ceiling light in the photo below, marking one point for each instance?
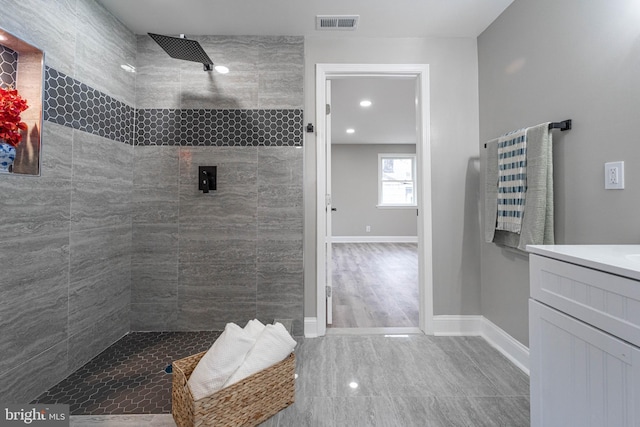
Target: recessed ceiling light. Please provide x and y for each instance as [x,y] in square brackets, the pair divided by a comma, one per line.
[221,69]
[350,130]
[3,37]
[365,103]
[128,68]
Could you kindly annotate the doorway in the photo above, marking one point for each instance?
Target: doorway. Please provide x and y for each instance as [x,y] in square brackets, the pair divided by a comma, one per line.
[373,192]
[418,74]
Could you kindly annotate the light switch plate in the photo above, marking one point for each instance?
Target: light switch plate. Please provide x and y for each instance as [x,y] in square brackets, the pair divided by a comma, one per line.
[614,176]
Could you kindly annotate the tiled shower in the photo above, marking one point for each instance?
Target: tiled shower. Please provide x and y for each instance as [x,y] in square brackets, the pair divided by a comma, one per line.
[114,236]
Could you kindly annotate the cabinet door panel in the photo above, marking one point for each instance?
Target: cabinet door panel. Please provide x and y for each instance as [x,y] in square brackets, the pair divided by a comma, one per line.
[580,376]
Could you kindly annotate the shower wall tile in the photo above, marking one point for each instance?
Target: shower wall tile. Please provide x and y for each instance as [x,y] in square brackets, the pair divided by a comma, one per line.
[154,317]
[233,206]
[157,76]
[56,154]
[280,166]
[234,165]
[94,205]
[35,374]
[33,207]
[206,90]
[281,53]
[281,72]
[278,89]
[155,166]
[280,293]
[68,232]
[238,53]
[154,263]
[279,236]
[246,123]
[95,337]
[100,274]
[104,45]
[205,281]
[210,90]
[100,295]
[214,315]
[280,196]
[51,28]
[234,245]
[233,203]
[100,160]
[33,307]
[155,205]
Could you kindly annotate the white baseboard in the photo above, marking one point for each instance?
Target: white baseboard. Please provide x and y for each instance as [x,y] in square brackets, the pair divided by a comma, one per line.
[374,239]
[475,325]
[511,348]
[310,327]
[457,325]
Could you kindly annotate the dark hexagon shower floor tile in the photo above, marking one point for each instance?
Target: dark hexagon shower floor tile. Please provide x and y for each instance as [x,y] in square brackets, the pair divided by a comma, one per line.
[129,377]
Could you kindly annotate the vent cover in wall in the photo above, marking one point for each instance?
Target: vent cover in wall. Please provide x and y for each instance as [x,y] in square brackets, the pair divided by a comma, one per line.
[337,22]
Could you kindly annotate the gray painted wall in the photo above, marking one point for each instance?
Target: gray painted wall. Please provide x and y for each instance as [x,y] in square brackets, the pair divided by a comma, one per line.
[354,179]
[66,245]
[200,261]
[454,157]
[547,61]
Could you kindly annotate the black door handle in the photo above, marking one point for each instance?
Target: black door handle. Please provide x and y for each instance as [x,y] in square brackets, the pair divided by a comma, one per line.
[334,209]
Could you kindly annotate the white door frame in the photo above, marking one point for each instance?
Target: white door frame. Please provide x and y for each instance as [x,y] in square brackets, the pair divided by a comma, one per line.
[423,153]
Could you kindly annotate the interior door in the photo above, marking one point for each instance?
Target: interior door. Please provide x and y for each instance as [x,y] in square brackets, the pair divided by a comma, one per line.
[329,208]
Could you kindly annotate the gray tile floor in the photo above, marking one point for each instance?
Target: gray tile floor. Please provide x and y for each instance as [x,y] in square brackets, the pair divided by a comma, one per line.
[374,380]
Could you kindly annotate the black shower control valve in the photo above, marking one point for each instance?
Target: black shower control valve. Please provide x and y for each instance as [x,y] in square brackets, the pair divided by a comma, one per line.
[207,178]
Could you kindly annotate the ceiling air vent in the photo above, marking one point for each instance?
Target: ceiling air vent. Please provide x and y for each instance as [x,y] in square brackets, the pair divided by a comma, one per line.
[337,22]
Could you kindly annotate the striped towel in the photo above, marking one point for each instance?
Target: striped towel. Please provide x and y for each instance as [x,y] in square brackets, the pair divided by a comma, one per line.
[512,180]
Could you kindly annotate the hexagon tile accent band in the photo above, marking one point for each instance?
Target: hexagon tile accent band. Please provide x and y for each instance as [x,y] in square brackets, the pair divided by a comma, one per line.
[237,128]
[71,103]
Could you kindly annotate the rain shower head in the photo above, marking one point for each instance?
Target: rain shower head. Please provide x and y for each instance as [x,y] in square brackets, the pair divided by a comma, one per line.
[183,48]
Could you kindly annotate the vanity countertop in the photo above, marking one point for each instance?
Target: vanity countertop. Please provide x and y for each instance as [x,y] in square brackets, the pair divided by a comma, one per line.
[622,260]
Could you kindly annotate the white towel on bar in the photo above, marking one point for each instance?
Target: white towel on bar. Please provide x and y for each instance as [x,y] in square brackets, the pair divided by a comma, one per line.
[512,180]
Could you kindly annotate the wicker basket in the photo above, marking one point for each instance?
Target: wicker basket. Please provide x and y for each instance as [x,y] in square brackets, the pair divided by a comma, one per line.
[245,403]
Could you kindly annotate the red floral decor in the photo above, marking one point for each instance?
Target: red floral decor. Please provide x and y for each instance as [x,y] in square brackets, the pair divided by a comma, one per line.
[11,105]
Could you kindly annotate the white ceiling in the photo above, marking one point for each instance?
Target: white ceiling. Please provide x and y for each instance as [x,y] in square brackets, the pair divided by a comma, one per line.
[378,18]
[391,118]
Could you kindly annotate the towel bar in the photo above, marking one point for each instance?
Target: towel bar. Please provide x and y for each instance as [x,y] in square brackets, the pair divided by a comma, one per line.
[563,125]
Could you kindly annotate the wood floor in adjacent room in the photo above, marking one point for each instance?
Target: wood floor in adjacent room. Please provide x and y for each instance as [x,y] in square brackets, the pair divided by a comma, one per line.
[375,285]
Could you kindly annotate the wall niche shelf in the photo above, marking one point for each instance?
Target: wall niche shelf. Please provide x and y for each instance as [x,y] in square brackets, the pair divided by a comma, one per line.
[22,66]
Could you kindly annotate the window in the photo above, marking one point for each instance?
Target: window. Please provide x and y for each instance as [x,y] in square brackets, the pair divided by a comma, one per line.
[397,180]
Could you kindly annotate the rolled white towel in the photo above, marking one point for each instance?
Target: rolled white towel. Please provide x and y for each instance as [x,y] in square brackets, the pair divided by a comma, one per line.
[272,346]
[254,328]
[220,361]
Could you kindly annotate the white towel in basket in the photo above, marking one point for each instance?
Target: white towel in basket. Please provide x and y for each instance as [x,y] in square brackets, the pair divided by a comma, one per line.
[254,328]
[220,361]
[272,346]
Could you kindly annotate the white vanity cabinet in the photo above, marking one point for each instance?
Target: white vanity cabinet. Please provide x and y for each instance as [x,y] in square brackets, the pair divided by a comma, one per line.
[584,336]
